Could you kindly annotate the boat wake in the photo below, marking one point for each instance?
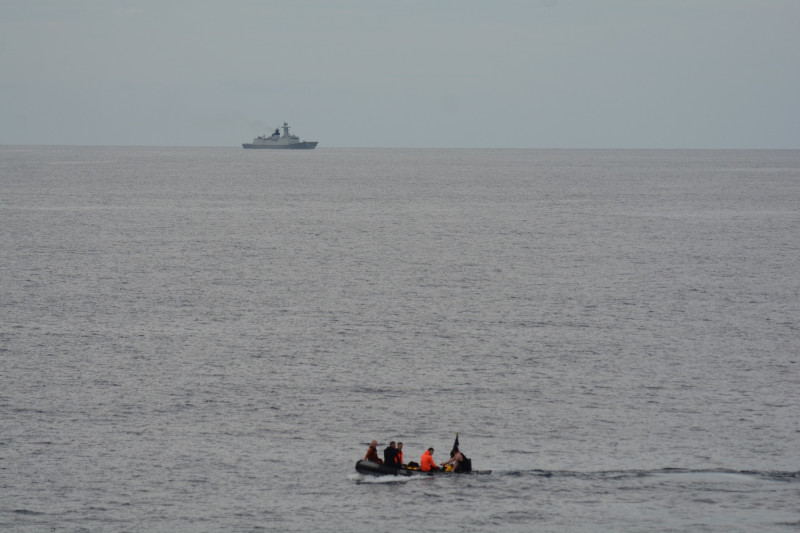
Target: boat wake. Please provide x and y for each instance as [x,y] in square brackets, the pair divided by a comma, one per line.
[662,474]
[362,478]
[665,473]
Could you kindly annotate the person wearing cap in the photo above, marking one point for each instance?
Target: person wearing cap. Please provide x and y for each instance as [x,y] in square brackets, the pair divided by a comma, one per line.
[426,461]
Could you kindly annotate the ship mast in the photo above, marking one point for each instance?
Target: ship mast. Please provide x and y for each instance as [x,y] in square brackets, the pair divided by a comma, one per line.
[285,129]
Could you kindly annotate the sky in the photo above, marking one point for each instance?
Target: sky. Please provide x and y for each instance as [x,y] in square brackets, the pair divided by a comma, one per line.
[403,73]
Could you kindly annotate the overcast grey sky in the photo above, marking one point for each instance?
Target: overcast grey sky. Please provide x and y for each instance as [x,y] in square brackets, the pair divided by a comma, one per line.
[439,73]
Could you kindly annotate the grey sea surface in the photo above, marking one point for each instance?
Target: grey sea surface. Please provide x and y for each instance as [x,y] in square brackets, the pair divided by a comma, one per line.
[206,339]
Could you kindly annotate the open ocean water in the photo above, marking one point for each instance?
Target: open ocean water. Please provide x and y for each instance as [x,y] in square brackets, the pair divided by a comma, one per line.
[206,339]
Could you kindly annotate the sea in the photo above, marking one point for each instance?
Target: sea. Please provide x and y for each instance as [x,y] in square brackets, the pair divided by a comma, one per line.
[207,339]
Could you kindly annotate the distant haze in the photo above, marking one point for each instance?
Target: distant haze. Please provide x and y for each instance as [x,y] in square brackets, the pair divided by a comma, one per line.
[437,73]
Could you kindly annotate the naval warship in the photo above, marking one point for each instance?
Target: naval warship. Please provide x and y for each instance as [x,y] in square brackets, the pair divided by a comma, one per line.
[278,141]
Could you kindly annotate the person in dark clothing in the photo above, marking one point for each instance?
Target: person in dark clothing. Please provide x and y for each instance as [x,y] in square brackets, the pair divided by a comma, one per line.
[390,455]
[372,453]
[459,461]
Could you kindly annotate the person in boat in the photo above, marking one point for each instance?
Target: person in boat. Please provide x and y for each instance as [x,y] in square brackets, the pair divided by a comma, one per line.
[399,454]
[426,461]
[456,459]
[390,455]
[372,453]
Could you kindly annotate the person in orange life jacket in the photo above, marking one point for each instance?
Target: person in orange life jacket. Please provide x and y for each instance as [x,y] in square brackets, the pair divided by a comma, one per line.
[426,461]
[390,455]
[455,459]
[372,453]
[400,454]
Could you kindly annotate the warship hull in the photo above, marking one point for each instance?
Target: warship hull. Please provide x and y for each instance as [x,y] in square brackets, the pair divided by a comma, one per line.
[305,145]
